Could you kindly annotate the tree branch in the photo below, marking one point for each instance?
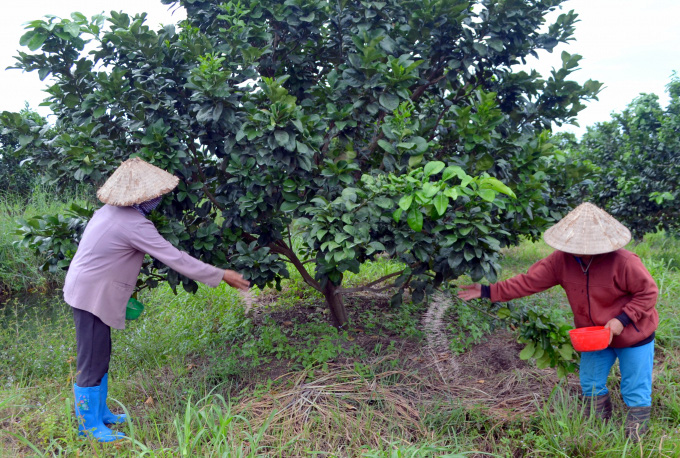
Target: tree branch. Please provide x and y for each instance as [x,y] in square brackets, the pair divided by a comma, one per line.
[300,266]
[369,286]
[363,288]
[421,90]
[278,247]
[379,134]
[206,191]
[434,129]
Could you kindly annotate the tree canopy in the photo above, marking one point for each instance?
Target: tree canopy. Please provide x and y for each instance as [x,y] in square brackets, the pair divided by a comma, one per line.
[16,132]
[318,134]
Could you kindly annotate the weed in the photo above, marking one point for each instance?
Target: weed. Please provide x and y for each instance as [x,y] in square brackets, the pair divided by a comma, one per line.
[468,324]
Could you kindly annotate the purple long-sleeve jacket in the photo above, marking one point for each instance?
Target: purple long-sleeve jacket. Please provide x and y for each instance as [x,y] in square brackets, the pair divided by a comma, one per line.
[104,271]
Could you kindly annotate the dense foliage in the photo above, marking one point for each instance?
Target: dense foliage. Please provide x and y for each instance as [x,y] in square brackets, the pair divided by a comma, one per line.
[635,159]
[319,134]
[17,174]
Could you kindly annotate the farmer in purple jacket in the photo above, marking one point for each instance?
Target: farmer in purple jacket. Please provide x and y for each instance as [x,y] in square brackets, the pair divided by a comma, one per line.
[103,274]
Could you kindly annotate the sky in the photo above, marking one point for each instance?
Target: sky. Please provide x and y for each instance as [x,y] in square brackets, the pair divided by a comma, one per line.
[19,87]
[631,46]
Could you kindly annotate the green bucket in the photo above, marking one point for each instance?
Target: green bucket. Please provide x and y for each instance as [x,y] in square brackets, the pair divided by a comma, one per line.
[134,309]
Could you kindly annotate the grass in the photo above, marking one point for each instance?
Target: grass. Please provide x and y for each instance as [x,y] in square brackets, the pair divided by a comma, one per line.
[199,377]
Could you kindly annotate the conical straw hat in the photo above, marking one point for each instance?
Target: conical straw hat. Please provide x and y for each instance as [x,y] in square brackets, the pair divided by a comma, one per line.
[587,230]
[134,182]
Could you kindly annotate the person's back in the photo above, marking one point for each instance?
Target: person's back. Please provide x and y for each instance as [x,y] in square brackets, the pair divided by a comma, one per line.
[104,271]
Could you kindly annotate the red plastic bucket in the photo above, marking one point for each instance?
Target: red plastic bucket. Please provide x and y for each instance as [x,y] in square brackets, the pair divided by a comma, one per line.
[592,338]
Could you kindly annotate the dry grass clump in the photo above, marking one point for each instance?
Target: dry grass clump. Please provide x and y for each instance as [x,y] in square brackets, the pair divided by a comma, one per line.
[340,410]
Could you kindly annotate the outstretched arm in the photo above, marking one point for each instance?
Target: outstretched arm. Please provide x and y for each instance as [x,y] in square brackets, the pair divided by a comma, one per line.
[235,280]
[540,277]
[468,292]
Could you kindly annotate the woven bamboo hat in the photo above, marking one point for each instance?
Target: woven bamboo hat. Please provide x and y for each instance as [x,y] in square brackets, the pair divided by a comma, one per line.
[587,230]
[134,182]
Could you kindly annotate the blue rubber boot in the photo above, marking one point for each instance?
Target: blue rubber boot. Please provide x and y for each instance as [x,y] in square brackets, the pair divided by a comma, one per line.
[88,415]
[108,418]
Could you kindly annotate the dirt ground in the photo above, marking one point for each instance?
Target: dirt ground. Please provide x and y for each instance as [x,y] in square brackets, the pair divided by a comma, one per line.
[489,375]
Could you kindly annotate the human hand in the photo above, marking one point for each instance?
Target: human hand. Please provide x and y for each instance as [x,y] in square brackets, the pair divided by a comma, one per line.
[235,280]
[468,292]
[615,327]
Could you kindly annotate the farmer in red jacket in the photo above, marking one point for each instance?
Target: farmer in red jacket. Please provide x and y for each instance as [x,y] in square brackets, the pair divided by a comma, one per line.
[606,286]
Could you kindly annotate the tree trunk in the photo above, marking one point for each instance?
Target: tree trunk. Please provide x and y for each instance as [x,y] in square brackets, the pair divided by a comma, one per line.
[335,304]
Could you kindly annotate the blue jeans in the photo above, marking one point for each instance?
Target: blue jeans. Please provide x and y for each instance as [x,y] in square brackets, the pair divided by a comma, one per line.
[635,364]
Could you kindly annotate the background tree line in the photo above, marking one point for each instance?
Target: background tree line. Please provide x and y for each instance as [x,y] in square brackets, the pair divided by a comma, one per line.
[631,164]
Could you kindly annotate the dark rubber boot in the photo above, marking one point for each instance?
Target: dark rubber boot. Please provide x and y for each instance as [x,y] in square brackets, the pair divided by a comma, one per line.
[601,406]
[637,422]
[108,418]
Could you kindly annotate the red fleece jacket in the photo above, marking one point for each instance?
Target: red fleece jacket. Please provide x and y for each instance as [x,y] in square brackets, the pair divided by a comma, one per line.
[615,282]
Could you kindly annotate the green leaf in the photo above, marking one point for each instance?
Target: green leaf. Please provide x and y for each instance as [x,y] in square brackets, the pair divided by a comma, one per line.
[99,111]
[376,246]
[72,28]
[543,362]
[397,214]
[25,140]
[27,37]
[37,40]
[415,160]
[303,148]
[389,101]
[453,171]
[432,168]
[288,206]
[415,219]
[421,144]
[484,163]
[566,351]
[320,233]
[405,202]
[503,313]
[451,193]
[78,17]
[441,202]
[384,202]
[387,146]
[480,48]
[487,194]
[528,351]
[71,100]
[499,186]
[43,72]
[281,137]
[495,44]
[539,353]
[429,190]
